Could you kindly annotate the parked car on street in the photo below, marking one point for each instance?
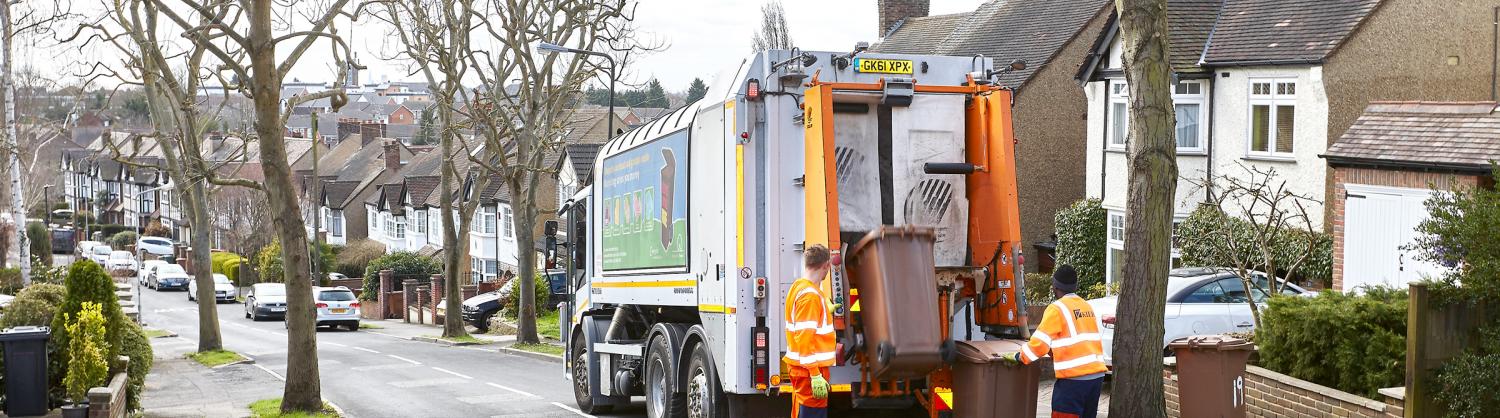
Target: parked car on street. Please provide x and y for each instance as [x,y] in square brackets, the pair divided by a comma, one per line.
[86,248]
[169,276]
[145,271]
[266,300]
[100,254]
[121,261]
[336,307]
[156,246]
[478,310]
[224,291]
[1200,300]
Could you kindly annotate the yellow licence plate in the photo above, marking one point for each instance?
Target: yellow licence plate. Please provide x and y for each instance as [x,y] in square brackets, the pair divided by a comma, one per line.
[867,65]
[337,311]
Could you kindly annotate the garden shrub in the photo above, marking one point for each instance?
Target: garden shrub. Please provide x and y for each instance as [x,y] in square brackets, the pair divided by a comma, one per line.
[137,347]
[156,229]
[1201,241]
[404,264]
[109,230]
[123,240]
[86,368]
[10,280]
[1038,289]
[356,256]
[36,305]
[227,264]
[1355,344]
[1081,240]
[268,261]
[40,238]
[511,300]
[87,282]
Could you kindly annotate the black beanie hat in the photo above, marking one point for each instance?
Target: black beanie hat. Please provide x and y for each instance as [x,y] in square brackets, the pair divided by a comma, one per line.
[1065,278]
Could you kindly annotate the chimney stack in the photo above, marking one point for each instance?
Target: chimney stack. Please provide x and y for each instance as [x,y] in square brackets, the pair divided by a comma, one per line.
[893,11]
[369,130]
[392,154]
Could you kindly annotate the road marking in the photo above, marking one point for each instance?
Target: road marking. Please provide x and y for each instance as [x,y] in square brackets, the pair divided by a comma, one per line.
[278,376]
[451,372]
[426,382]
[404,359]
[516,391]
[366,350]
[571,409]
[333,344]
[277,334]
[492,398]
[267,353]
[389,335]
[382,367]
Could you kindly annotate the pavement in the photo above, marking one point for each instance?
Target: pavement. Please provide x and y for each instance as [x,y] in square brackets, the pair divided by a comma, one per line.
[365,373]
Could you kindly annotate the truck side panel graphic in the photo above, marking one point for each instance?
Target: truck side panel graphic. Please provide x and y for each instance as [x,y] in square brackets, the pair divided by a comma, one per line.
[645,219]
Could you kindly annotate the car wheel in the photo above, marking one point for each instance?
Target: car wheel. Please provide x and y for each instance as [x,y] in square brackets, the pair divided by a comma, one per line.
[582,392]
[483,324]
[661,400]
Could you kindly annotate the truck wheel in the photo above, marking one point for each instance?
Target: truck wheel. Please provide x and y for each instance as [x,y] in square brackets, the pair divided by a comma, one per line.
[582,392]
[661,401]
[705,396]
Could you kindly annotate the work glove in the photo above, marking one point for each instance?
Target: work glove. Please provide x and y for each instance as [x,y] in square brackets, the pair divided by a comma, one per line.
[1011,358]
[819,387]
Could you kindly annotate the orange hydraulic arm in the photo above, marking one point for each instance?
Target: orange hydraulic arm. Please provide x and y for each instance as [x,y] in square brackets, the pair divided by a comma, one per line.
[994,212]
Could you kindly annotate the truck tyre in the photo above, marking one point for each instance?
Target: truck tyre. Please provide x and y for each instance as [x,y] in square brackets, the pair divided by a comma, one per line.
[661,400]
[705,394]
[582,391]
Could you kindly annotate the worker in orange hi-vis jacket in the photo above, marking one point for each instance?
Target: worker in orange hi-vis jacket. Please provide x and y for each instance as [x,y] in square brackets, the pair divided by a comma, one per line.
[1070,330]
[809,336]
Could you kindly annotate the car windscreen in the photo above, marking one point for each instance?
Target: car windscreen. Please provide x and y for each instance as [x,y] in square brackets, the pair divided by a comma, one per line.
[102,250]
[221,279]
[270,290]
[336,295]
[120,255]
[170,269]
[156,241]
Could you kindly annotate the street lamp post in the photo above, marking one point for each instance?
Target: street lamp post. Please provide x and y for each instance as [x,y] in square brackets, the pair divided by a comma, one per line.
[47,206]
[610,119]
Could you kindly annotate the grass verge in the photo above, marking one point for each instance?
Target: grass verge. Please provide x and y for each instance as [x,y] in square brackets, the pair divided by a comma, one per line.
[157,333]
[363,325]
[271,408]
[546,325]
[543,348]
[217,358]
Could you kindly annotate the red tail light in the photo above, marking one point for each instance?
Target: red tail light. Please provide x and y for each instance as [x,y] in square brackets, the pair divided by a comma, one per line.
[752,90]
[761,336]
[1107,319]
[354,305]
[322,305]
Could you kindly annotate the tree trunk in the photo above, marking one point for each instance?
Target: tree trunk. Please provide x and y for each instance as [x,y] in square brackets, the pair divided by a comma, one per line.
[209,338]
[524,212]
[457,252]
[17,205]
[302,392]
[1148,226]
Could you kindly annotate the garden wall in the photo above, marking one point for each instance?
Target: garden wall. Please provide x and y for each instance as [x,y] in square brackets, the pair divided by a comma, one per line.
[1272,394]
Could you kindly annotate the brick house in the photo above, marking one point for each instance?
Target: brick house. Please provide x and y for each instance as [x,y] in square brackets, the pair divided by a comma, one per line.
[1270,84]
[1052,36]
[1395,156]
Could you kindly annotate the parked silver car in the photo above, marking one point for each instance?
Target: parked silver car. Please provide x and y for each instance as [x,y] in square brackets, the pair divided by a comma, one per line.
[155,246]
[224,291]
[336,307]
[266,300]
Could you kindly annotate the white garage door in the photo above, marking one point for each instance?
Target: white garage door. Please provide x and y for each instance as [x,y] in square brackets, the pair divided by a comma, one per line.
[1378,221]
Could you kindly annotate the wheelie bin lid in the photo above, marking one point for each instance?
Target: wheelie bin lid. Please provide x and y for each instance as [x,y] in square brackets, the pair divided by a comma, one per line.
[983,352]
[920,232]
[1212,342]
[25,333]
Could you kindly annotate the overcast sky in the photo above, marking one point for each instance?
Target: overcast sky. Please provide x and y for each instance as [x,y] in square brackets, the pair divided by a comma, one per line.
[701,37]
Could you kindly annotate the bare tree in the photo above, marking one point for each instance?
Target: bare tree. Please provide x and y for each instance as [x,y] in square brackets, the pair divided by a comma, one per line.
[435,41]
[1257,210]
[243,39]
[773,32]
[524,99]
[30,17]
[1148,225]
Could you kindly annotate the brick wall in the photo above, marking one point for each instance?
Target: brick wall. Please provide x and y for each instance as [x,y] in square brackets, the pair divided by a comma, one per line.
[892,11]
[109,401]
[1378,177]
[1271,394]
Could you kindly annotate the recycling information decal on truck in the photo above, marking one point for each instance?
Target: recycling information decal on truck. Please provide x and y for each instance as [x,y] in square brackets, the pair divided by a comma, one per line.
[644,206]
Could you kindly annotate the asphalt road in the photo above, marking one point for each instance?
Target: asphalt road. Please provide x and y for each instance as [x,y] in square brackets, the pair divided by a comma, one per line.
[368,374]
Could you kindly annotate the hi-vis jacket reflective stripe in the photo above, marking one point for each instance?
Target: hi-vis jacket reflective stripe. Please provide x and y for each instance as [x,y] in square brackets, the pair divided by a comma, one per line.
[1070,330]
[809,328]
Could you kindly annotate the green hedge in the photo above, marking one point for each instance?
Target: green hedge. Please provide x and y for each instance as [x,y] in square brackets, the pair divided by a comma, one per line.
[1082,240]
[356,256]
[137,347]
[227,264]
[1355,344]
[109,230]
[404,264]
[40,242]
[1202,235]
[123,240]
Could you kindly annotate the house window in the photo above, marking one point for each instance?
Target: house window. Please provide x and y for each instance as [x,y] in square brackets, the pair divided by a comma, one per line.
[400,227]
[1119,114]
[1273,111]
[374,220]
[1115,255]
[507,224]
[434,224]
[1188,99]
[421,222]
[486,222]
[390,224]
[336,222]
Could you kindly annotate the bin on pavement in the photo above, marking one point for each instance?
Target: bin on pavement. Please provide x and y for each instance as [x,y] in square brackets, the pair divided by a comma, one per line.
[1211,375]
[986,384]
[25,370]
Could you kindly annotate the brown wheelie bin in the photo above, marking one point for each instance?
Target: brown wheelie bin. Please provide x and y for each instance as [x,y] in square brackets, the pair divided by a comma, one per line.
[1211,375]
[987,385]
[893,269]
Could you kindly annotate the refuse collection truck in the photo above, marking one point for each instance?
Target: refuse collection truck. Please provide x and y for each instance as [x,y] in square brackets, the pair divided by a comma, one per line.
[682,245]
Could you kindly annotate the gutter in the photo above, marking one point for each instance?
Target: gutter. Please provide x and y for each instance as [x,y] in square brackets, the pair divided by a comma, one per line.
[1255,63]
[1341,161]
